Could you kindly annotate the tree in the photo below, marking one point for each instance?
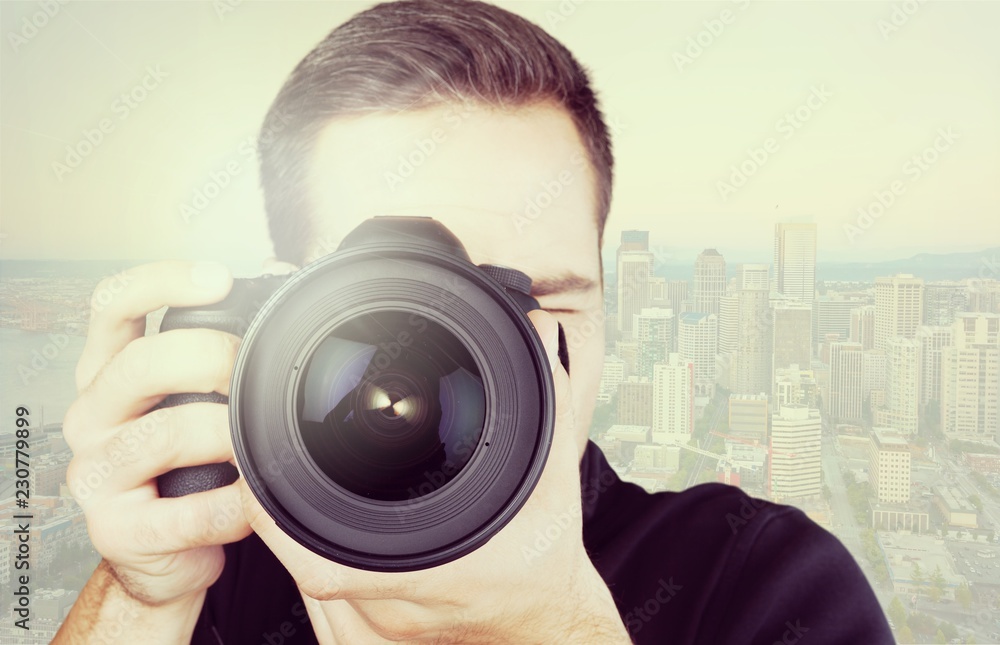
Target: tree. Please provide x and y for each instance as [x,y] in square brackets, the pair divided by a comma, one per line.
[939,637]
[937,584]
[896,611]
[964,595]
[917,574]
[905,635]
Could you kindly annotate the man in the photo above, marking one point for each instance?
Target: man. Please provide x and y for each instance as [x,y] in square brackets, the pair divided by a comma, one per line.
[471,115]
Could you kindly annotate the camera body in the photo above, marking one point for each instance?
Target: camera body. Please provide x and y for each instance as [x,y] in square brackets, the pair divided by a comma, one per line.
[391,406]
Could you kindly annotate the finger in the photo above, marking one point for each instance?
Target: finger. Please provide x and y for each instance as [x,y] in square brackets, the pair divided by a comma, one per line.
[148,369]
[121,302]
[187,435]
[174,524]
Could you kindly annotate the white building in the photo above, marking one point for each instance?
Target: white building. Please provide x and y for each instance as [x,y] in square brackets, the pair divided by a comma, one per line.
[795,453]
[673,401]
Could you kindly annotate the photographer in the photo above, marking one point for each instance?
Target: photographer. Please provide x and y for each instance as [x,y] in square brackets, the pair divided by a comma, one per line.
[500,113]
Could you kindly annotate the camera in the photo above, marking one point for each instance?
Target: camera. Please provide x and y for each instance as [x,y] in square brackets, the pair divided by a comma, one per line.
[391,406]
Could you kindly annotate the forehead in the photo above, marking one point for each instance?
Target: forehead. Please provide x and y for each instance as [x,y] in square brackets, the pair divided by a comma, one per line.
[514,185]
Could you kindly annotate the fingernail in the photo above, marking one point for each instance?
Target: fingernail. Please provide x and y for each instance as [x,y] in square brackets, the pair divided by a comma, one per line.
[210,275]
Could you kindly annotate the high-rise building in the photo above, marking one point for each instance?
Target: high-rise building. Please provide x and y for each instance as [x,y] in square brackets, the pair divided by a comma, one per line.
[970,378]
[863,326]
[942,300]
[653,330]
[673,401]
[792,334]
[795,261]
[677,293]
[696,340]
[748,417]
[984,295]
[899,305]
[612,374]
[658,296]
[796,386]
[709,281]
[729,324]
[872,372]
[796,433]
[931,339]
[633,241]
[635,402]
[635,268]
[902,395]
[832,314]
[846,368]
[753,347]
[889,466]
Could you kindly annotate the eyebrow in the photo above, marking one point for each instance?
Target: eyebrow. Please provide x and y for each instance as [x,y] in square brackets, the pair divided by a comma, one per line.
[567,283]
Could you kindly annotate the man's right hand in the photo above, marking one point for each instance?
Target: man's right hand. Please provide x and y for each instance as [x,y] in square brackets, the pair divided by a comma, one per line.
[160,550]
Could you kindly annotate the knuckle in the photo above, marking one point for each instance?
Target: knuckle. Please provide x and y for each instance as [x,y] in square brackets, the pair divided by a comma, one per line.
[147,537]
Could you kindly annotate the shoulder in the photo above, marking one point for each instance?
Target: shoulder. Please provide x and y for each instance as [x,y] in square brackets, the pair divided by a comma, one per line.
[712,564]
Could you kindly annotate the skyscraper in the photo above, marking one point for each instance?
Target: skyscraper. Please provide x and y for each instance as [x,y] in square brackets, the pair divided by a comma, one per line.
[932,340]
[970,377]
[863,326]
[792,335]
[729,324]
[696,340]
[902,373]
[753,348]
[942,300]
[673,401]
[846,400]
[709,281]
[635,268]
[795,261]
[653,330]
[795,453]
[898,308]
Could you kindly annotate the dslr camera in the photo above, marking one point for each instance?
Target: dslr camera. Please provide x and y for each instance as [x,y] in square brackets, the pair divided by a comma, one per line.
[391,406]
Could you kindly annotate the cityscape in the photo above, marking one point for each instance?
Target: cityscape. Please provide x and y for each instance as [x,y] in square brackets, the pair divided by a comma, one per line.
[872,405]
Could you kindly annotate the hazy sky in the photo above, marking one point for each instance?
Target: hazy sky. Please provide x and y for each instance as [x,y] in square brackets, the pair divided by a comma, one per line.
[869,96]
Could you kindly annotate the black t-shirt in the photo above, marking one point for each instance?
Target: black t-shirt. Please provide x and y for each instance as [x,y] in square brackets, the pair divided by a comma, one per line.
[706,566]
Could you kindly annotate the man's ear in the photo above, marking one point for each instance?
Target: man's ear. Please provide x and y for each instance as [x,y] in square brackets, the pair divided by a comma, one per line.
[273,266]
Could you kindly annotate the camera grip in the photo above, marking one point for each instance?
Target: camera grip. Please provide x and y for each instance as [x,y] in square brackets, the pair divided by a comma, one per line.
[224,316]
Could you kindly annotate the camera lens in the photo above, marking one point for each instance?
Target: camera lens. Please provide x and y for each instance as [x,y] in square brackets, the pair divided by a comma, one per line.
[391,406]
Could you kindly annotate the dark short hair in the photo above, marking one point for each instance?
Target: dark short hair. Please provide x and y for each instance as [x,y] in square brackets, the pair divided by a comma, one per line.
[415,54]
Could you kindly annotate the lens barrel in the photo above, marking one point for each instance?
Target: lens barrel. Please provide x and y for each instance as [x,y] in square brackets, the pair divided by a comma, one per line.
[391,404]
